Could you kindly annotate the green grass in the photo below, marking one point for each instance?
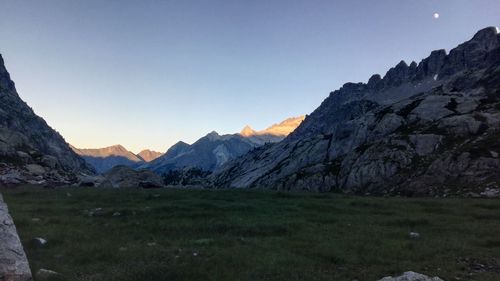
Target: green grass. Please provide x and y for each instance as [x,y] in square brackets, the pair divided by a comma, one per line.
[173,234]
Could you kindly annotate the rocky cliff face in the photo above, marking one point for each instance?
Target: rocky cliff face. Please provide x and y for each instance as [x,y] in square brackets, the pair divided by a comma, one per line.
[103,159]
[430,128]
[30,150]
[213,150]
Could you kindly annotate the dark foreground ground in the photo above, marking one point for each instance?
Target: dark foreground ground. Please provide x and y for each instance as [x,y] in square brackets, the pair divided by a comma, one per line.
[249,235]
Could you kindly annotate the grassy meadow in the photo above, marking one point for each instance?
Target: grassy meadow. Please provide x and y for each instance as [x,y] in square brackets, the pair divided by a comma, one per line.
[174,234]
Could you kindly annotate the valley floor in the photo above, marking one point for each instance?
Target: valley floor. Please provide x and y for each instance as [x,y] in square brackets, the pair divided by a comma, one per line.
[169,234]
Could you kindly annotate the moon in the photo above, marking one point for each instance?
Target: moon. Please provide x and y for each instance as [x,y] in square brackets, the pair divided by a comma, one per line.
[436,15]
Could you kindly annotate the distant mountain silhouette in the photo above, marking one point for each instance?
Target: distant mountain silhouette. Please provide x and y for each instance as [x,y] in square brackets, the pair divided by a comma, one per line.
[103,159]
[213,150]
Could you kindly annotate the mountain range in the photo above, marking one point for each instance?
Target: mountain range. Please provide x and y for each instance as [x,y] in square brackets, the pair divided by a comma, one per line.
[207,153]
[430,128]
[213,150]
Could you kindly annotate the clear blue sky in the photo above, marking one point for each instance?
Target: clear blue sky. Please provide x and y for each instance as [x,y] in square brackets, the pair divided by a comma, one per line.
[147,73]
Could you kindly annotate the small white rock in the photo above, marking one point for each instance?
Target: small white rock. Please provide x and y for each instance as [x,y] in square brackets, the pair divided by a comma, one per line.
[39,241]
[414,235]
[45,274]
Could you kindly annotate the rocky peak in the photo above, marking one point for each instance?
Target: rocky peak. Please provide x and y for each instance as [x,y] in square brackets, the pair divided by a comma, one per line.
[247,131]
[117,147]
[431,65]
[213,136]
[179,144]
[5,82]
[397,75]
[281,129]
[474,52]
[148,155]
[487,38]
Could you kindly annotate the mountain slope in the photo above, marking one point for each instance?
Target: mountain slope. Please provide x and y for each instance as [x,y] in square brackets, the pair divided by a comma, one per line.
[213,150]
[431,128]
[27,140]
[103,159]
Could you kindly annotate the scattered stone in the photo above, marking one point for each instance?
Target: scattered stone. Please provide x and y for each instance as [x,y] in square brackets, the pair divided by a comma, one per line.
[204,241]
[195,254]
[35,219]
[152,244]
[94,212]
[39,242]
[491,192]
[411,276]
[414,235]
[116,214]
[122,249]
[45,274]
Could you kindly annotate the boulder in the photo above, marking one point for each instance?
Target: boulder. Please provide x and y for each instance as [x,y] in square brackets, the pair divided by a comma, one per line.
[13,262]
[35,169]
[90,181]
[50,161]
[123,176]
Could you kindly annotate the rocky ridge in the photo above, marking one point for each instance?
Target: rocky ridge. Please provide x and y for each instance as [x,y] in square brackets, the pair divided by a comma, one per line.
[103,159]
[282,129]
[30,150]
[423,129]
